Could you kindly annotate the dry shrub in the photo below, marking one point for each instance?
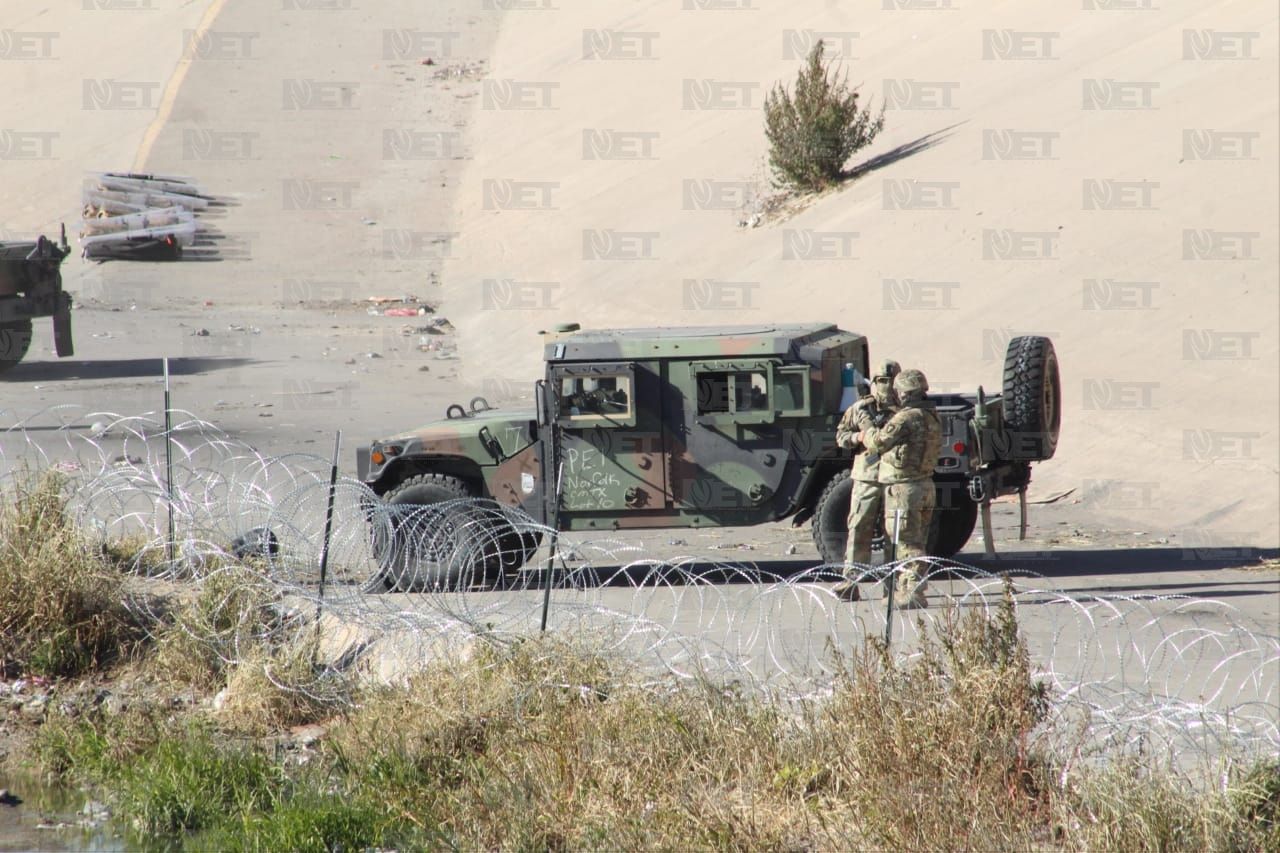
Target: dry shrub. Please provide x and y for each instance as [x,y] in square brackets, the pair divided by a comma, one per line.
[61,605]
[281,686]
[940,750]
[545,745]
[236,633]
[233,615]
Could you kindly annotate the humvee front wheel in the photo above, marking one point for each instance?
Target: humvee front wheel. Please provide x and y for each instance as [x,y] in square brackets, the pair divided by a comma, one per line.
[432,540]
[831,518]
[15,340]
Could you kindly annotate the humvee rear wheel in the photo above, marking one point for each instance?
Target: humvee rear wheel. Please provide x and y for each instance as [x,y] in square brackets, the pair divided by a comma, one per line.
[430,543]
[831,518]
[1032,398]
[15,340]
[954,517]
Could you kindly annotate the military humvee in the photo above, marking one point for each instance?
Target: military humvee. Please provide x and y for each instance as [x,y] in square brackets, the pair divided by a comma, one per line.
[701,427]
[31,286]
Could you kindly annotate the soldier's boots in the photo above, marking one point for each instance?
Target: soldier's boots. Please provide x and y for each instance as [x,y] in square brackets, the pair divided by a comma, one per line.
[847,590]
[910,592]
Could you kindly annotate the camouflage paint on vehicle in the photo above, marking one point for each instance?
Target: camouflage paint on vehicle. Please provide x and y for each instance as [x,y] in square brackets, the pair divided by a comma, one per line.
[678,427]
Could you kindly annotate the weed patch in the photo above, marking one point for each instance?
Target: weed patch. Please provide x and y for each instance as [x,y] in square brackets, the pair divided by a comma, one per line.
[61,605]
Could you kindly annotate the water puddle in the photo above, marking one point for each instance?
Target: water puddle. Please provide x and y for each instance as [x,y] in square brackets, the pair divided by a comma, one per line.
[53,818]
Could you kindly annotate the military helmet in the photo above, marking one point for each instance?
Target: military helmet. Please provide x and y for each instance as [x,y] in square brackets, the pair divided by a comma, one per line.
[911,380]
[888,368]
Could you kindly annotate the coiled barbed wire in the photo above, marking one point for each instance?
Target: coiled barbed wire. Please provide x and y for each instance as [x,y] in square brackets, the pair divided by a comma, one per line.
[1182,676]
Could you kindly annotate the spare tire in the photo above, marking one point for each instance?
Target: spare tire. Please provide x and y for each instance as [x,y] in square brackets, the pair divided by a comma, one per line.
[1032,399]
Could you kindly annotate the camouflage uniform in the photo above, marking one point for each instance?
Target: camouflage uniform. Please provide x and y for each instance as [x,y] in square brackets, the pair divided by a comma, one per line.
[867,497]
[909,446]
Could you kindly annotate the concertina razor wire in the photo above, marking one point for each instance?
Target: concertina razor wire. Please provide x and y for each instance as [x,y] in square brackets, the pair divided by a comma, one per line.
[1184,677]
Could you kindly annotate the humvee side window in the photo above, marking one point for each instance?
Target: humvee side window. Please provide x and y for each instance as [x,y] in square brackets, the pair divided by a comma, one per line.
[790,387]
[594,398]
[726,392]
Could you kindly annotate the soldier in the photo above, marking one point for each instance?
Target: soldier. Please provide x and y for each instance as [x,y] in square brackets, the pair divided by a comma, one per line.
[867,499]
[909,446]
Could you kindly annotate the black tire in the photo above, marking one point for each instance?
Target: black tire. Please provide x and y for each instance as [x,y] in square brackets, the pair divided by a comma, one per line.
[1032,399]
[831,518]
[954,517]
[15,340]
[420,549]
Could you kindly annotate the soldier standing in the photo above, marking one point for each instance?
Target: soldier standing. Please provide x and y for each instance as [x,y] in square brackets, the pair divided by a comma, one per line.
[866,502]
[909,446]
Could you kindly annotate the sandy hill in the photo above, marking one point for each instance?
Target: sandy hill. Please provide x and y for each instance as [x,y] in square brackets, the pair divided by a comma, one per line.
[1106,175]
